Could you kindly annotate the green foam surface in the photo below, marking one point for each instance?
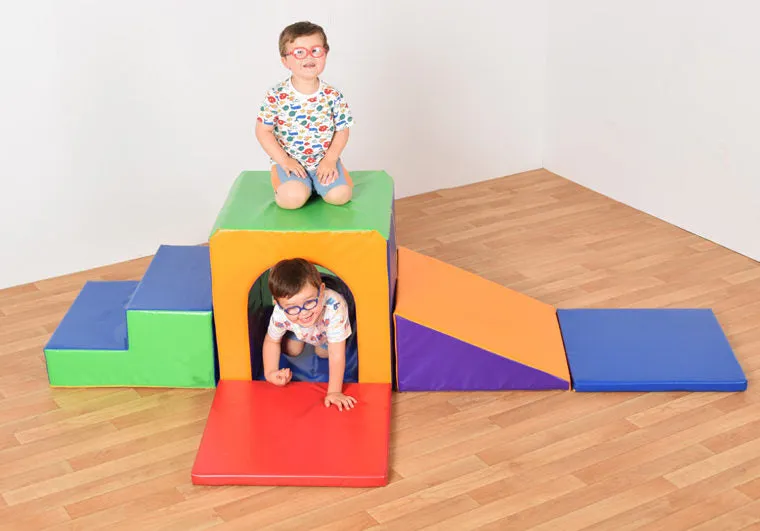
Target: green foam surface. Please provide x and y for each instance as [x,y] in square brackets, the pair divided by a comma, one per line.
[250,206]
[166,349]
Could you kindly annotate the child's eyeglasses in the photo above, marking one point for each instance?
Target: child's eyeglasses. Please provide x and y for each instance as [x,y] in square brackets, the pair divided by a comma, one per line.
[307,305]
[303,53]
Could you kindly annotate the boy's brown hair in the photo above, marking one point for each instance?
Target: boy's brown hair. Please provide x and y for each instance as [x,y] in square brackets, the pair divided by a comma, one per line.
[290,276]
[300,29]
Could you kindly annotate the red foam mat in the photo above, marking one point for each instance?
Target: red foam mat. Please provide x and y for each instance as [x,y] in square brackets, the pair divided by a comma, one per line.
[260,434]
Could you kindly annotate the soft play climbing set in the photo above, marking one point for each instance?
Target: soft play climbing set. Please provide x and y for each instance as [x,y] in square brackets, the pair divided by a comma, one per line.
[196,318]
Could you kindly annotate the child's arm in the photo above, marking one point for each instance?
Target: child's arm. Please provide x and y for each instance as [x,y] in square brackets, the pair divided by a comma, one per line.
[327,171]
[336,354]
[265,136]
[271,357]
[338,144]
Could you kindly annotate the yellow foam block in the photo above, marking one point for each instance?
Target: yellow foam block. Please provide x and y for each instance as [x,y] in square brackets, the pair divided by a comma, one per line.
[359,258]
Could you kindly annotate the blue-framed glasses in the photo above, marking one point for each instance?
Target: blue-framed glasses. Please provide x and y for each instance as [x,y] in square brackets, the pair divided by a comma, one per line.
[307,305]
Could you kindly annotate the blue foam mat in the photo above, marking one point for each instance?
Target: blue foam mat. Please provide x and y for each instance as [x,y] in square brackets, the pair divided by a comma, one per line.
[649,350]
[97,319]
[178,279]
[308,367]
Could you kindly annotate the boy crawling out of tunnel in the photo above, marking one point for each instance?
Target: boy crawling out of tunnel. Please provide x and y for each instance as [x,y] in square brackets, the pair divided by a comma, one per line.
[306,311]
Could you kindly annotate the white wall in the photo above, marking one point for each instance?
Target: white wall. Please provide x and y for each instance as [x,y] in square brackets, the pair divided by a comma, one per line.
[124,124]
[657,104]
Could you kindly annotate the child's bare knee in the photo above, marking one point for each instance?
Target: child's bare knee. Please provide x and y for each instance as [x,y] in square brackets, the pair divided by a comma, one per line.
[292,195]
[340,195]
[293,348]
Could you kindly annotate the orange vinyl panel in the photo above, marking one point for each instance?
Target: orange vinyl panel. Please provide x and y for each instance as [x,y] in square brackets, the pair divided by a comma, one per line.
[480,312]
[238,258]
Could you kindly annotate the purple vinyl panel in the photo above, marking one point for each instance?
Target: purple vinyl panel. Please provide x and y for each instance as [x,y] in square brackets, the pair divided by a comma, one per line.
[432,361]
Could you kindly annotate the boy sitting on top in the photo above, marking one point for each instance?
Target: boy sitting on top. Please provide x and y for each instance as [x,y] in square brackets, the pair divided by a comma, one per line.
[306,312]
[303,124]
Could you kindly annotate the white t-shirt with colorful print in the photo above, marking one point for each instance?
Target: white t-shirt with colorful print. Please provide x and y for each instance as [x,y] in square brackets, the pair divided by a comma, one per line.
[304,124]
[333,326]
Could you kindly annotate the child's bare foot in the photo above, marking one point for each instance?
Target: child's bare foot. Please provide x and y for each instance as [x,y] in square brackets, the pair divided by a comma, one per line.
[319,351]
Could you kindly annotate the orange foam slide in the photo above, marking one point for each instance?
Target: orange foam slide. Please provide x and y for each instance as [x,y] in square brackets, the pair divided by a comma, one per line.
[455,330]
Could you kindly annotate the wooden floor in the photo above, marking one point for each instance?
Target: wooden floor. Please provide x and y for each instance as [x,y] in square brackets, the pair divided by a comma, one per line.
[121,458]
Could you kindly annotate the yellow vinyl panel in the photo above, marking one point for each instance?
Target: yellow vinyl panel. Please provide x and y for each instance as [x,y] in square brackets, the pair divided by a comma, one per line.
[359,258]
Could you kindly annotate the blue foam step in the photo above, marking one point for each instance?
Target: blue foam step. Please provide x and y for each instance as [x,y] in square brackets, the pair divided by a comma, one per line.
[308,367]
[649,350]
[97,319]
[178,279]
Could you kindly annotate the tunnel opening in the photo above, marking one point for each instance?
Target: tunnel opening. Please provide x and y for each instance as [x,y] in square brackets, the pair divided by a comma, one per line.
[307,367]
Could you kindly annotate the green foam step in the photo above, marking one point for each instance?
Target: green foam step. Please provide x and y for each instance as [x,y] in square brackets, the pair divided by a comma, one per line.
[158,332]
[166,349]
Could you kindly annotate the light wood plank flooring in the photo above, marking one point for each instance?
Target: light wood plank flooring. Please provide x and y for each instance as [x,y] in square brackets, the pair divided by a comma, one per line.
[121,458]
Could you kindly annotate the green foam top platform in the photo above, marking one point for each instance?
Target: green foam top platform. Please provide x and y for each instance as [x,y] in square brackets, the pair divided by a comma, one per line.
[250,206]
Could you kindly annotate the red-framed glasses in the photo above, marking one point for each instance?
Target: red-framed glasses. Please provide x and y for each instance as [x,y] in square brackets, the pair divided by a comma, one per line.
[302,53]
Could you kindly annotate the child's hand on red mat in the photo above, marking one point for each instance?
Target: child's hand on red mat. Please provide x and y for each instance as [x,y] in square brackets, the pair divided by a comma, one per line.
[292,166]
[327,171]
[340,400]
[280,378]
